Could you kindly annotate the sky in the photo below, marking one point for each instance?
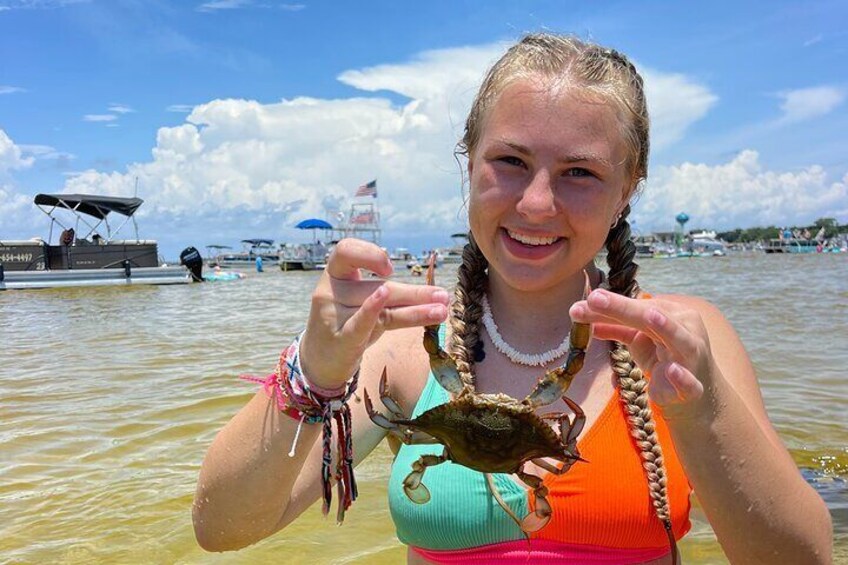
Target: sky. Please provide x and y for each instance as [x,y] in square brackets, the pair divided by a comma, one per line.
[236,119]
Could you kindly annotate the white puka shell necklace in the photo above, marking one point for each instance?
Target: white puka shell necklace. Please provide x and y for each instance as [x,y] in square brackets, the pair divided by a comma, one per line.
[517,357]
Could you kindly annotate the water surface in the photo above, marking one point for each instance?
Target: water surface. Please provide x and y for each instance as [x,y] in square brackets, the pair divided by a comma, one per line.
[110,397]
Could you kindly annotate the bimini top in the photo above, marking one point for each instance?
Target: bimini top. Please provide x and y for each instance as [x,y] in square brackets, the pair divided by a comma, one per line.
[258,241]
[91,204]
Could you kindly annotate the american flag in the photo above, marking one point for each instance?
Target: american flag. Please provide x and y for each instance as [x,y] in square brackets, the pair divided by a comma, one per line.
[368,189]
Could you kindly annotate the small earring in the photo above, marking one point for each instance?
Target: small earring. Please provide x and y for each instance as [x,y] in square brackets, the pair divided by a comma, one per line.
[615,220]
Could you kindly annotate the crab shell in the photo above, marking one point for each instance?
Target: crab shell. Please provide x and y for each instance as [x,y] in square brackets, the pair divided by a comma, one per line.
[490,433]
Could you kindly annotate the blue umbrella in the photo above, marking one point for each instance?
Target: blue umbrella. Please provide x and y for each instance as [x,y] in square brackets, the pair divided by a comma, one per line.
[314,224]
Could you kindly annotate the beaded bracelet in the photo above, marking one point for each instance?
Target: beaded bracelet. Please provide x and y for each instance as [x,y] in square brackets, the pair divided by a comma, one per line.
[305,402]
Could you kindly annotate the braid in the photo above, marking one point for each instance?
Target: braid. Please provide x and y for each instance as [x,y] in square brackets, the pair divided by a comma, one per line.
[466,310]
[632,382]
[620,253]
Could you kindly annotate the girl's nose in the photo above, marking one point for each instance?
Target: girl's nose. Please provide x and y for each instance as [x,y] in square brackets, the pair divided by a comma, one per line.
[537,199]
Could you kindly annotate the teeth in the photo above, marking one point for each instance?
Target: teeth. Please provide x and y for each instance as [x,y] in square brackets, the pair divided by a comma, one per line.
[528,240]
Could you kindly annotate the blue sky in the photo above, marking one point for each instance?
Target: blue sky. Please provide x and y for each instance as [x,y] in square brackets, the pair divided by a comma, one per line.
[239,118]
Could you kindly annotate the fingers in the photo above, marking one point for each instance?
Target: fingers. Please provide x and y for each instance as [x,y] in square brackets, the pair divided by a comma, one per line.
[353,293]
[361,325]
[643,349]
[375,316]
[671,383]
[350,255]
[646,316]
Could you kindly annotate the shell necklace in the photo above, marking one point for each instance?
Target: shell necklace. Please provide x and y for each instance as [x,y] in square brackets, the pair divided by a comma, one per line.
[517,357]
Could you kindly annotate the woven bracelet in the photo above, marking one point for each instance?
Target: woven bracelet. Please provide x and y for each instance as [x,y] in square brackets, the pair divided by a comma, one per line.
[300,400]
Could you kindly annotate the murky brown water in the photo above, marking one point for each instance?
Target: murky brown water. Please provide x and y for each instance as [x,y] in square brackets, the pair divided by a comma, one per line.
[109,398]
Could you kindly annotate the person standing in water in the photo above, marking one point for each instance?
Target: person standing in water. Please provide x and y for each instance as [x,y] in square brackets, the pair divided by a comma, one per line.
[557,147]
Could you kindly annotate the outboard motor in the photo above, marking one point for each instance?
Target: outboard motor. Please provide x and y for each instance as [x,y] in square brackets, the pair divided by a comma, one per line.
[191,258]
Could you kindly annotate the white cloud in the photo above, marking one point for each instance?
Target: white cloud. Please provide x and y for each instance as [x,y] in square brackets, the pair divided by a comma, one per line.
[180,108]
[11,155]
[5,89]
[739,194]
[675,102]
[99,117]
[38,4]
[45,152]
[813,40]
[16,211]
[215,5]
[807,103]
[120,109]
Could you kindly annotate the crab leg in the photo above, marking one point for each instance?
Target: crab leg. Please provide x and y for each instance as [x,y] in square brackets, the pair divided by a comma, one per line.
[573,427]
[543,463]
[403,433]
[443,367]
[490,481]
[555,383]
[387,400]
[412,485]
[539,518]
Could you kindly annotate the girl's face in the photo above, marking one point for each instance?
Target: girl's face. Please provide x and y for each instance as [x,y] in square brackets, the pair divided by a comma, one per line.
[547,178]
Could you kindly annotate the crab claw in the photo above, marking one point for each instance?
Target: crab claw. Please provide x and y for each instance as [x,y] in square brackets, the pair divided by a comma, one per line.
[412,485]
[443,367]
[555,383]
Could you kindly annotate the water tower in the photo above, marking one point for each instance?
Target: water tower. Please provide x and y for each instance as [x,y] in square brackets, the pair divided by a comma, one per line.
[681,219]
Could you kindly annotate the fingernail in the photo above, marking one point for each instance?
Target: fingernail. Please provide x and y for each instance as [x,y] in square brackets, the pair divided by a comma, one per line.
[600,298]
[441,296]
[675,371]
[656,317]
[438,312]
[577,310]
[381,292]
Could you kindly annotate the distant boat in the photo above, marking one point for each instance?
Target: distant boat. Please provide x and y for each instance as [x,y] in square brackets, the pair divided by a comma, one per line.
[453,254]
[93,259]
[644,250]
[308,256]
[246,258]
[401,255]
[303,256]
[792,245]
[705,243]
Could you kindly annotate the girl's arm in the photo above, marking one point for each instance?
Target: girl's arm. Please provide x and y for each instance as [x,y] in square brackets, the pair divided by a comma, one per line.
[759,505]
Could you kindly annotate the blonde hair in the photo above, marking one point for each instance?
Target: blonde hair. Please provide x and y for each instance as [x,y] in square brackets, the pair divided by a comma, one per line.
[598,71]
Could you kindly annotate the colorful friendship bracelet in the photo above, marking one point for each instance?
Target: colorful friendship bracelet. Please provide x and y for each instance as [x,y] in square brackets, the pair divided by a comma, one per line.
[305,402]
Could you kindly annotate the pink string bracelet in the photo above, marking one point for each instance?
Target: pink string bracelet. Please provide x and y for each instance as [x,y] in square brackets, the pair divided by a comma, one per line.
[296,397]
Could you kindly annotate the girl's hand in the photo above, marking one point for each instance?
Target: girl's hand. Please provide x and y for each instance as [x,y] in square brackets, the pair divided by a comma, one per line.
[349,312]
[666,338]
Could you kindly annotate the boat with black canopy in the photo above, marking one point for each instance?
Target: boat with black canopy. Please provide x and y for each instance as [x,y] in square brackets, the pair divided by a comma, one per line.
[251,249]
[87,252]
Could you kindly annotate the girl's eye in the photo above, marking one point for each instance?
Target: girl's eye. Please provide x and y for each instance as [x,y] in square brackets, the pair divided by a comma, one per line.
[510,160]
[579,172]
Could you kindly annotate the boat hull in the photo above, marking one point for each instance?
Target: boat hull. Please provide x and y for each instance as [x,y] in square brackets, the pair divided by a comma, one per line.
[16,280]
[300,265]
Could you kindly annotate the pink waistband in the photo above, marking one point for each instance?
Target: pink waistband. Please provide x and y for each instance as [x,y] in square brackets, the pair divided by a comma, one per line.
[542,551]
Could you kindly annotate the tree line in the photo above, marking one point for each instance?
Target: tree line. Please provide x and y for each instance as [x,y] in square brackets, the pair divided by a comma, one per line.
[831,229]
